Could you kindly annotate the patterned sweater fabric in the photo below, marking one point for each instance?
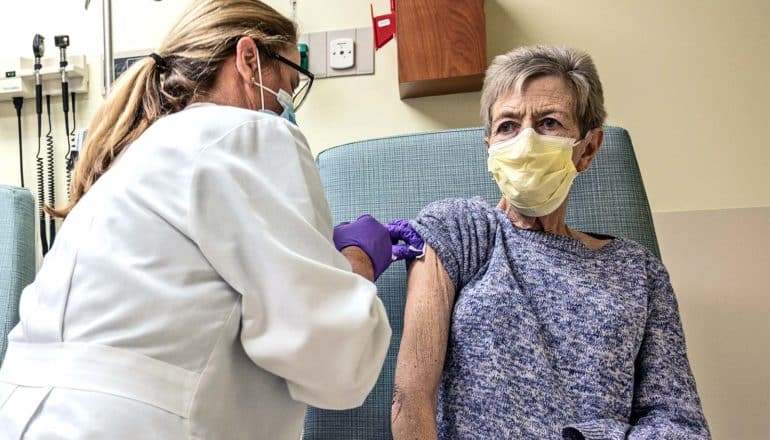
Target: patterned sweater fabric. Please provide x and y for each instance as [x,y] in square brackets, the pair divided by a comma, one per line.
[550,340]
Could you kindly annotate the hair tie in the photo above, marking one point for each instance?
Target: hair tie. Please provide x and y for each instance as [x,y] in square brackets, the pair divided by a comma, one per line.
[160,62]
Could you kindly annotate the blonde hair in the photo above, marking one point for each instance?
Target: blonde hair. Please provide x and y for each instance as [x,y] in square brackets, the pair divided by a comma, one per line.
[509,72]
[192,54]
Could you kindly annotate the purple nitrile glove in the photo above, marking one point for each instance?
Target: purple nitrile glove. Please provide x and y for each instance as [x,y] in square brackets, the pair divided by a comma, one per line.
[371,236]
[401,230]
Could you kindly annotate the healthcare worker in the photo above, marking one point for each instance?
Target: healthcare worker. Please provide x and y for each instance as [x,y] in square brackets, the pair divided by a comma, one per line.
[194,290]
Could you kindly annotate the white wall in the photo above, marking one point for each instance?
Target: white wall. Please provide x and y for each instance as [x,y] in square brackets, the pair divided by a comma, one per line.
[136,25]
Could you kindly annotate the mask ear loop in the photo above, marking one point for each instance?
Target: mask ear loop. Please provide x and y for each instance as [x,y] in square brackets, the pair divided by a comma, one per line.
[585,139]
[261,89]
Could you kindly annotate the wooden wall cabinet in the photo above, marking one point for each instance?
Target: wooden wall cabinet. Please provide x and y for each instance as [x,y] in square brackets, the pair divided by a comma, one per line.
[442,46]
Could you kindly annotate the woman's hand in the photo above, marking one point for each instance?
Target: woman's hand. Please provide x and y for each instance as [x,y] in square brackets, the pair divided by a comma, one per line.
[382,244]
[371,237]
[414,247]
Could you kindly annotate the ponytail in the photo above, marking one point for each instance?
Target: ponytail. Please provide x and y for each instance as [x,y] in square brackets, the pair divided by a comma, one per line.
[184,70]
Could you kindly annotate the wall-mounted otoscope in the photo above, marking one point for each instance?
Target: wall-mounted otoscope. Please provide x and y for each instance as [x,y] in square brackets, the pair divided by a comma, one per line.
[38,48]
[62,42]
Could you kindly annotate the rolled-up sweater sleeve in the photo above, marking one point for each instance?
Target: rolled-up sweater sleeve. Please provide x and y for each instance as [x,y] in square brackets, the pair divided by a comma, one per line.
[461,231]
[666,404]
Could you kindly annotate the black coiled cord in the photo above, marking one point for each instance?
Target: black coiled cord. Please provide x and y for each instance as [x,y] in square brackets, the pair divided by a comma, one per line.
[40,186]
[72,155]
[68,170]
[50,168]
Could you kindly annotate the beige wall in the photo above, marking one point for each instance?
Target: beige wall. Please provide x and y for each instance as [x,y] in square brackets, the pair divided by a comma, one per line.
[718,261]
[688,78]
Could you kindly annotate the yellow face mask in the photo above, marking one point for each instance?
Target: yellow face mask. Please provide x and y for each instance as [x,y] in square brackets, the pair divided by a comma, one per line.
[534,171]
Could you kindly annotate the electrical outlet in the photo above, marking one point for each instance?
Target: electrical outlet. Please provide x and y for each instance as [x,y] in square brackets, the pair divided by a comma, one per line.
[342,53]
[340,36]
[319,53]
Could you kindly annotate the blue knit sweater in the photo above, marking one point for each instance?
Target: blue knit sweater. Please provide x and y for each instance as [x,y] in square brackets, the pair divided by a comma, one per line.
[551,340]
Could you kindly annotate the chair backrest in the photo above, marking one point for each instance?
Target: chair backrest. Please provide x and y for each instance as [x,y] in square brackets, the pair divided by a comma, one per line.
[396,177]
[17,254]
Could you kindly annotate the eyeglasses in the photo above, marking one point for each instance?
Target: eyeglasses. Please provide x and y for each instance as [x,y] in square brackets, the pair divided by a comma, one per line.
[305,81]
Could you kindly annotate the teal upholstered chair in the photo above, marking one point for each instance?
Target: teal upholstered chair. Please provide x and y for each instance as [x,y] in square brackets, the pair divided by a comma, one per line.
[17,254]
[397,176]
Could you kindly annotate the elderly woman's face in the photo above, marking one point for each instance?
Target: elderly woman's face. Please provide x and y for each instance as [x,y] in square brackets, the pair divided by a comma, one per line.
[545,104]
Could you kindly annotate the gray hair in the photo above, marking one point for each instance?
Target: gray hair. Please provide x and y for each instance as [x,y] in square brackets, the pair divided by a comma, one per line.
[508,72]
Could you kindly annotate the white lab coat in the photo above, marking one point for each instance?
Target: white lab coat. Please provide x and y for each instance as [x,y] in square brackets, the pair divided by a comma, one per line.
[194,292]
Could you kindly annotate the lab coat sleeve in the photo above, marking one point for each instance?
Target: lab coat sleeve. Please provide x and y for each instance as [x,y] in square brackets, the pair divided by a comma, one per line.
[258,214]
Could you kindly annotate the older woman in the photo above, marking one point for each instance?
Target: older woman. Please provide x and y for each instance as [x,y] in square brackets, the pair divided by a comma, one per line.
[517,326]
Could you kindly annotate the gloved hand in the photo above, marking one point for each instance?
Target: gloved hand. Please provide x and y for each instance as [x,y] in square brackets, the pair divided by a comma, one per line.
[401,230]
[371,236]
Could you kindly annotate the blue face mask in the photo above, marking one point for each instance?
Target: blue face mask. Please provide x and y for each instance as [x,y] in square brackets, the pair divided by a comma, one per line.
[288,106]
[283,97]
[286,103]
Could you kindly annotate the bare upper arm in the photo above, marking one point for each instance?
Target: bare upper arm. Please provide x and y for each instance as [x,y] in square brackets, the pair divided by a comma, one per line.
[427,317]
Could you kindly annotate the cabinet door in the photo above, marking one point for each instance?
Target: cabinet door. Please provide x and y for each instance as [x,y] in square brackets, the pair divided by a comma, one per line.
[442,46]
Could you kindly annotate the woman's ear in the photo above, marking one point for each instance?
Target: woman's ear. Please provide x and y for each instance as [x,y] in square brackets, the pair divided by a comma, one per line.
[246,54]
[594,139]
